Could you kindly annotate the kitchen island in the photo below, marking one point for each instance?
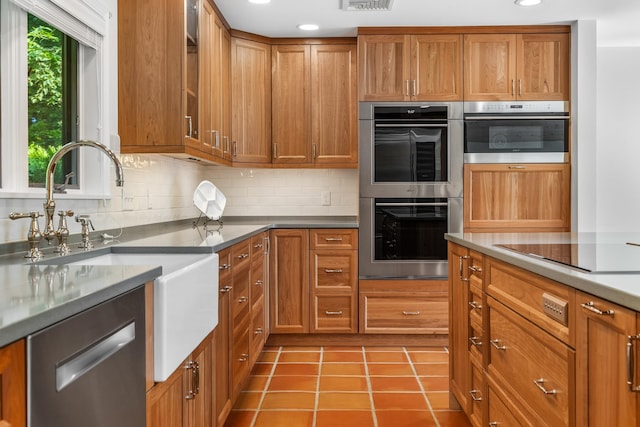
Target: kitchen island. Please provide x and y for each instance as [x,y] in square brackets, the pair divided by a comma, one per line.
[544,328]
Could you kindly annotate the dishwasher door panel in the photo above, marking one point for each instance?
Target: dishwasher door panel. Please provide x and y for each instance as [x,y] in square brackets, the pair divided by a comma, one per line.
[89,370]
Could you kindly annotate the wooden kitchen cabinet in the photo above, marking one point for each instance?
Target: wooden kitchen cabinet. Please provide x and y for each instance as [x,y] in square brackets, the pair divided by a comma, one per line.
[506,67]
[289,281]
[163,73]
[222,401]
[605,333]
[517,197]
[403,307]
[334,281]
[185,398]
[215,67]
[259,329]
[251,100]
[410,67]
[314,105]
[13,385]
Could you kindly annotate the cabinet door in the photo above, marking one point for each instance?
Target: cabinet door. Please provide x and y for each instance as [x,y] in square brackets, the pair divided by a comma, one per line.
[543,67]
[192,74]
[222,398]
[225,76]
[436,67]
[199,380]
[603,397]
[384,62]
[13,377]
[290,102]
[459,363]
[165,402]
[209,109]
[489,67]
[334,119]
[524,197]
[289,281]
[251,100]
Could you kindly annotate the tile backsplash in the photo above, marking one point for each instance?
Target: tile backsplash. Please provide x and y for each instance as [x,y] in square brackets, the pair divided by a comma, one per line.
[160,189]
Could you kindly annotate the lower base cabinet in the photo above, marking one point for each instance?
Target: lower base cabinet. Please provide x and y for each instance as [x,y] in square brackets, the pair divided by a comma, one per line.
[185,398]
[13,391]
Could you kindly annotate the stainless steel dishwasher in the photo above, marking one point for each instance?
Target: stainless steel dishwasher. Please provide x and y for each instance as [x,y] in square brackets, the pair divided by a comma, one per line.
[89,369]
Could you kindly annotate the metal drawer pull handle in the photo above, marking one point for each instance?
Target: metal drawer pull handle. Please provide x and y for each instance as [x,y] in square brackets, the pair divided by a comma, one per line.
[257,246]
[493,424]
[333,239]
[475,269]
[243,256]
[224,266]
[461,260]
[496,343]
[94,355]
[631,364]
[517,167]
[258,331]
[411,313]
[243,357]
[540,384]
[225,289]
[591,306]
[475,306]
[475,395]
[333,313]
[243,299]
[337,270]
[259,282]
[475,341]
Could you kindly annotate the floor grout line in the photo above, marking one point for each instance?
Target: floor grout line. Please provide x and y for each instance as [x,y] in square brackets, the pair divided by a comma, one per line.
[424,393]
[369,387]
[317,403]
[266,387]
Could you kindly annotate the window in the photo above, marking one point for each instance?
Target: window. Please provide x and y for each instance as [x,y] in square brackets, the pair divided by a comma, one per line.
[55,89]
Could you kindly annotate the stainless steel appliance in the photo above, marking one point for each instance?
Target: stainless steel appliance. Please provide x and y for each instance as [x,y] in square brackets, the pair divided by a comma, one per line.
[516,132]
[411,160]
[404,237]
[89,370]
[412,150]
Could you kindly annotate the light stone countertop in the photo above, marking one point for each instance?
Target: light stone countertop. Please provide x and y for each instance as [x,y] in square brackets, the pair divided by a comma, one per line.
[622,288]
[34,295]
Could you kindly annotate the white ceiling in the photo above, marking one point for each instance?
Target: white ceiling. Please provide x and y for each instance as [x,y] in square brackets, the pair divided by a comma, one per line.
[618,21]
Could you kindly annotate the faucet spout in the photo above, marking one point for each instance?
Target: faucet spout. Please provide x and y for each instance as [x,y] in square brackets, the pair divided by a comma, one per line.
[50,204]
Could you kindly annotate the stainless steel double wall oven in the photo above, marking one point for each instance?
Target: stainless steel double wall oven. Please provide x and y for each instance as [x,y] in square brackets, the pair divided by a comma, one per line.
[411,177]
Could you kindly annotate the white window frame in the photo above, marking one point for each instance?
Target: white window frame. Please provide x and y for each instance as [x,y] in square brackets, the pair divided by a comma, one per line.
[87,21]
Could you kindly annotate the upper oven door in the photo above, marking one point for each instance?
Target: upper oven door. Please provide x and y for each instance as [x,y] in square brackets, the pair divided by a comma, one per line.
[523,136]
[410,150]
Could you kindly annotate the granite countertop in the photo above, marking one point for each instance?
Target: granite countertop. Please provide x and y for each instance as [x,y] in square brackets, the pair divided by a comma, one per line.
[34,295]
[620,287]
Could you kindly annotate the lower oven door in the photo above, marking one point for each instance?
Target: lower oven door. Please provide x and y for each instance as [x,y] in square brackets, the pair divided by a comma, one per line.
[404,237]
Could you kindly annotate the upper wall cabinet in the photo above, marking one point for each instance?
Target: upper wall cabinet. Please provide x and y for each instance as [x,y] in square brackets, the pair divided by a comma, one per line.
[516,66]
[251,101]
[314,105]
[164,67]
[425,67]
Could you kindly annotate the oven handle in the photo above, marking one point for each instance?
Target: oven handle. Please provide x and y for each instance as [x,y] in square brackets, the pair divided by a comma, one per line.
[405,125]
[516,117]
[413,204]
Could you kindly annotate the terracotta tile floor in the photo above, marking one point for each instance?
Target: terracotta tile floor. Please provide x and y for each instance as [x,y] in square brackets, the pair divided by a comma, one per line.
[348,386]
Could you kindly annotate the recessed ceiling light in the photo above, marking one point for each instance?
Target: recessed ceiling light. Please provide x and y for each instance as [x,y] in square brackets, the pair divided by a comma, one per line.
[259,1]
[527,2]
[308,27]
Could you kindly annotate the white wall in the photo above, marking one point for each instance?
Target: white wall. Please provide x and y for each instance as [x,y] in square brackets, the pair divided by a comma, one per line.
[618,148]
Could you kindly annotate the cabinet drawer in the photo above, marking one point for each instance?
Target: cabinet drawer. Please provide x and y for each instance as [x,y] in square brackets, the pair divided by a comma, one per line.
[475,307]
[334,313]
[240,358]
[475,265]
[531,364]
[499,412]
[476,342]
[405,314]
[224,274]
[524,292]
[258,281]
[330,238]
[258,245]
[334,270]
[477,394]
[258,330]
[241,255]
[240,303]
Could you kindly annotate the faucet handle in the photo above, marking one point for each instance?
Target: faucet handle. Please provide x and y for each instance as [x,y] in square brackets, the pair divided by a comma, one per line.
[85,222]
[34,235]
[63,232]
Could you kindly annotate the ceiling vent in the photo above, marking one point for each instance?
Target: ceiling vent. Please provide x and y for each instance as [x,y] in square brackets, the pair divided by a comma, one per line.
[367,5]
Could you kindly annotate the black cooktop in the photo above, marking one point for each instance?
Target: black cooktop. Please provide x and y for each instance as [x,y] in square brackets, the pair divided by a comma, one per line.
[588,257]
